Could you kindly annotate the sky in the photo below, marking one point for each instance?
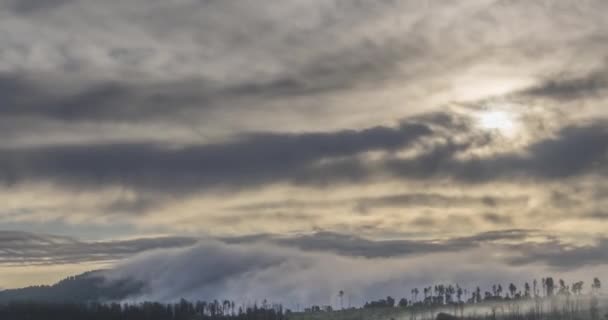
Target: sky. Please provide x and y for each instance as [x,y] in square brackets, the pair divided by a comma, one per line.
[258,149]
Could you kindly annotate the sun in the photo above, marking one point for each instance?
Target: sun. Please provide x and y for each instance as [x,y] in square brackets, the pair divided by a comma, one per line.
[499,121]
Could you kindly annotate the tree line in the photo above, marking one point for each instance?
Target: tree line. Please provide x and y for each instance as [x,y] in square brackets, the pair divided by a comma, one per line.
[183,310]
[420,298]
[455,294]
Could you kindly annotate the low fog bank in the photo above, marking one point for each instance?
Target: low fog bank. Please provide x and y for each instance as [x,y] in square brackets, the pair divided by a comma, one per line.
[253,272]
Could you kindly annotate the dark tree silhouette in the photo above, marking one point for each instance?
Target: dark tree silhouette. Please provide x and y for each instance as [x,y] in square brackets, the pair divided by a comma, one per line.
[512,290]
[577,287]
[597,285]
[550,286]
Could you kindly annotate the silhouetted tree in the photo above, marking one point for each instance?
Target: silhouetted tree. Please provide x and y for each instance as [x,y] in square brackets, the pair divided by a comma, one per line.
[415,292]
[596,285]
[550,286]
[577,287]
[512,289]
[563,288]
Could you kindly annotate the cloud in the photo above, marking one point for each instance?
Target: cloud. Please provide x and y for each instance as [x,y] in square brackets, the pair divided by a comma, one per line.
[355,246]
[562,256]
[33,6]
[281,272]
[267,158]
[309,268]
[357,118]
[576,150]
[251,160]
[399,200]
[570,89]
[26,249]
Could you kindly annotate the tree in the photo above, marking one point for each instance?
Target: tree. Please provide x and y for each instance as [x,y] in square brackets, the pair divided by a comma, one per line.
[390,301]
[341,295]
[544,281]
[550,286]
[403,303]
[577,287]
[459,293]
[596,285]
[512,290]
[563,289]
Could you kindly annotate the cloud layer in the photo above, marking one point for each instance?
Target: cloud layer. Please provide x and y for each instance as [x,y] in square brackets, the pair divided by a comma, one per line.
[329,133]
[311,268]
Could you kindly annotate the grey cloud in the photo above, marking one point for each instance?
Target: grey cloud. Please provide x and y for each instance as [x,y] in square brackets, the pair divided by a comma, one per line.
[24,248]
[178,99]
[436,201]
[572,88]
[551,251]
[102,101]
[576,150]
[311,56]
[351,245]
[33,6]
[250,267]
[366,63]
[218,266]
[497,218]
[254,159]
[559,255]
[279,272]
[599,215]
[268,158]
[401,200]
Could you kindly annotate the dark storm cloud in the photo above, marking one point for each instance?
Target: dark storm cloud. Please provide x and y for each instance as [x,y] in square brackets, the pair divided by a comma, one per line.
[24,248]
[255,159]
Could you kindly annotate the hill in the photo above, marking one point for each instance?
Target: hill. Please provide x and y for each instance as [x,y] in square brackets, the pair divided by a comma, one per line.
[86,287]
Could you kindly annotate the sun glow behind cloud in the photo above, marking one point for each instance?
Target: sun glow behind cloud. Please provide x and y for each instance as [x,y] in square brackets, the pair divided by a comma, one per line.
[499,121]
